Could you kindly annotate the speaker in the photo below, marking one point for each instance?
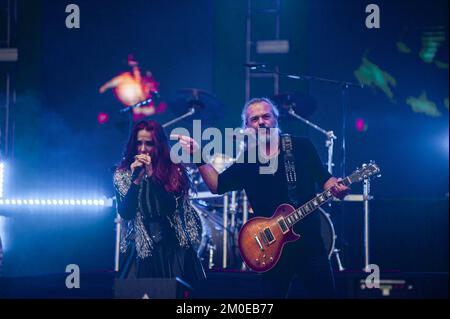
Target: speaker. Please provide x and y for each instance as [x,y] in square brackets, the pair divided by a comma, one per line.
[152,288]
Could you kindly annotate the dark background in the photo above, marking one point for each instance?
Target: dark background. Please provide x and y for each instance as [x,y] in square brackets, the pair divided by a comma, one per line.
[60,150]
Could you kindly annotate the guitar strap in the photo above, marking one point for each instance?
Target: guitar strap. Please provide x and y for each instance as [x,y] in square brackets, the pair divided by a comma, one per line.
[289,165]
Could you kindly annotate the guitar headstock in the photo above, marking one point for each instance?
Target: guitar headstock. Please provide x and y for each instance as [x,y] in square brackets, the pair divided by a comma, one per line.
[366,171]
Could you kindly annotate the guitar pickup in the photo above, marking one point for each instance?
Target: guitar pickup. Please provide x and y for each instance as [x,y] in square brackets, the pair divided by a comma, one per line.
[264,238]
[268,234]
[283,226]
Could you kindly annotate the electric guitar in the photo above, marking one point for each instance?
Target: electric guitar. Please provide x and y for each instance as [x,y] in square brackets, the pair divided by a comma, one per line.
[261,240]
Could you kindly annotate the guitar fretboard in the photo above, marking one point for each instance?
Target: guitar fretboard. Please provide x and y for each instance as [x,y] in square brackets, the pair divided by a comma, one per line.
[310,206]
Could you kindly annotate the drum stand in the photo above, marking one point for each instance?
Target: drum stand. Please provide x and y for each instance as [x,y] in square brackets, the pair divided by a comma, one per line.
[366,190]
[338,260]
[244,219]
[329,144]
[230,208]
[225,231]
[117,221]
[329,134]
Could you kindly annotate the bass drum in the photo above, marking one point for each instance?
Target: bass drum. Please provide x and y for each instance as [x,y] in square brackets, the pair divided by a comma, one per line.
[211,248]
[327,231]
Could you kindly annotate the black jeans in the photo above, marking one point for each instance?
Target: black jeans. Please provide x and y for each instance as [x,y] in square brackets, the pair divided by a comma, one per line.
[300,275]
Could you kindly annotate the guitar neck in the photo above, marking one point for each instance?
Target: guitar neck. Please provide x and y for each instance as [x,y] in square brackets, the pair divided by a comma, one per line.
[310,206]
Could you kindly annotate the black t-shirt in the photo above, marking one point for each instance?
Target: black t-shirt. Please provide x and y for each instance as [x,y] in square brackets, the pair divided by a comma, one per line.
[267,191]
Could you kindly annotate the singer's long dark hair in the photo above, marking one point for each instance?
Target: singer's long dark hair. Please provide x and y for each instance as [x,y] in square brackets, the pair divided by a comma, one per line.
[173,177]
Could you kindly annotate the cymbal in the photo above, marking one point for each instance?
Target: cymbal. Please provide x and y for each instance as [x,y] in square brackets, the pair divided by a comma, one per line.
[304,105]
[207,107]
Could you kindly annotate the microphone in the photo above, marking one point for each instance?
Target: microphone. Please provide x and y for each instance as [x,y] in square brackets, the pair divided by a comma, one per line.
[145,102]
[136,173]
[254,66]
[155,95]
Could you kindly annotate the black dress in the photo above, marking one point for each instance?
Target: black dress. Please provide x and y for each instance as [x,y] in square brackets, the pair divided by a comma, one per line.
[170,253]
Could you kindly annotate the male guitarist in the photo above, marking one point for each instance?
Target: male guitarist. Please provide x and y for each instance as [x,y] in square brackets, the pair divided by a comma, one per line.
[306,259]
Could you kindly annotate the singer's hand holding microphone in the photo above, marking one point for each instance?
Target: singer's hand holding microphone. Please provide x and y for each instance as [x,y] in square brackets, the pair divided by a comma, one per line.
[141,165]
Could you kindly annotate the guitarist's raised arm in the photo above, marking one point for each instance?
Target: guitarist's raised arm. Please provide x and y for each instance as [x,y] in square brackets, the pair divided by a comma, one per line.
[210,177]
[209,174]
[229,180]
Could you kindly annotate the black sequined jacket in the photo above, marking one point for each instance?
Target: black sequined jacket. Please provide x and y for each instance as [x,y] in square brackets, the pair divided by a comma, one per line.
[183,220]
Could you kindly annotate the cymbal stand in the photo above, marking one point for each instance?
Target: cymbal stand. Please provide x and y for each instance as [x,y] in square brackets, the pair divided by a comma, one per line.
[329,134]
[187,114]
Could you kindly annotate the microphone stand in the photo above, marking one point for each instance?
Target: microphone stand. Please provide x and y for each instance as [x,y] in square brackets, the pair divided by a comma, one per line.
[329,134]
[187,114]
[129,108]
[344,85]
[145,102]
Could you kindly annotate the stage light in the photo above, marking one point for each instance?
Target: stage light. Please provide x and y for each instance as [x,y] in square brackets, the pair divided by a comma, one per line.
[3,235]
[2,170]
[360,125]
[108,202]
[443,142]
[102,118]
